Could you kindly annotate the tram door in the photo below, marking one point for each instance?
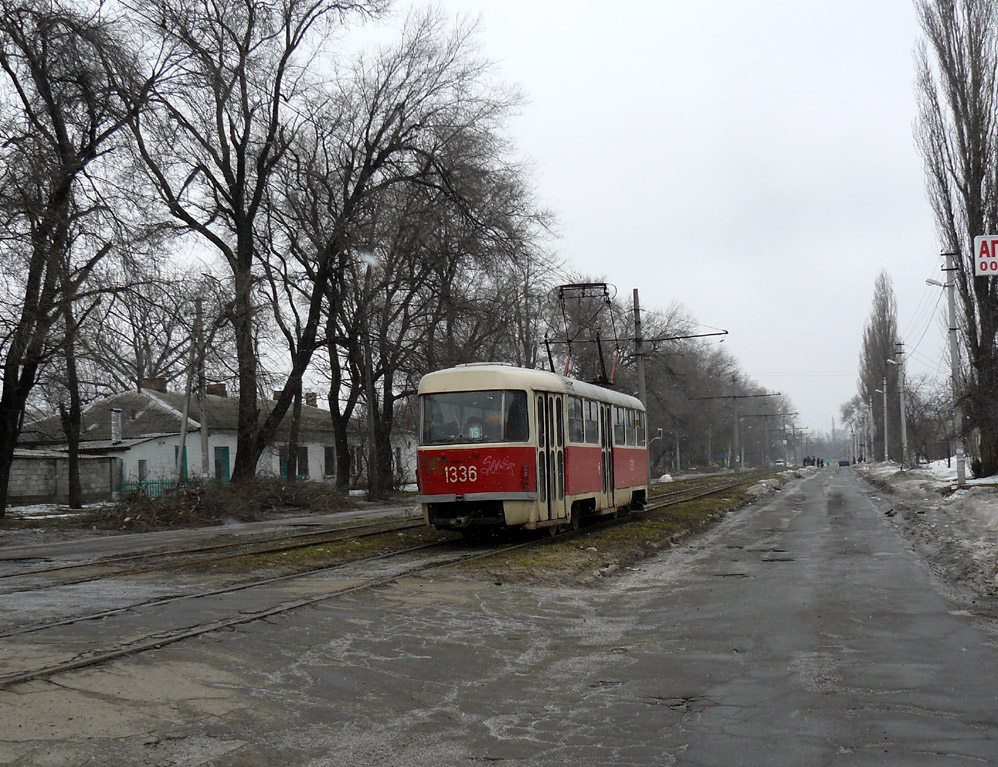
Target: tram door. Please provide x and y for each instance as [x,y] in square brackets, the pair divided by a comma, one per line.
[606,443]
[551,455]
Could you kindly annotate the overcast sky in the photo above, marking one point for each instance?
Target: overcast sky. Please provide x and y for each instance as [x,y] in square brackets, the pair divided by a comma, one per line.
[754,161]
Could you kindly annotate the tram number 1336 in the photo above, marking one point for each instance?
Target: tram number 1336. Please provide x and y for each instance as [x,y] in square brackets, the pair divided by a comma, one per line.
[460,474]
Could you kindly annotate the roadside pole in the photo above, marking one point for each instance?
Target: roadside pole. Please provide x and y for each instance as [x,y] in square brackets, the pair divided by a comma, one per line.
[202,399]
[899,361]
[954,356]
[639,353]
[887,455]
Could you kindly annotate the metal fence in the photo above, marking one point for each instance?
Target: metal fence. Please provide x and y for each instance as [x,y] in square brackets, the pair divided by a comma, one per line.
[153,488]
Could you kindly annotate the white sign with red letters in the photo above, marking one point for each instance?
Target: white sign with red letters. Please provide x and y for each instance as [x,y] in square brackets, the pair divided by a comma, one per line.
[986,255]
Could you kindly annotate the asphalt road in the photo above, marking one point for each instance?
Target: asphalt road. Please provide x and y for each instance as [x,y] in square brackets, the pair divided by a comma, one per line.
[801,631]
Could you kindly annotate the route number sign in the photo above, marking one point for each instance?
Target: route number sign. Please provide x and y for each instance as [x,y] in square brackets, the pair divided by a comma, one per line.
[986,255]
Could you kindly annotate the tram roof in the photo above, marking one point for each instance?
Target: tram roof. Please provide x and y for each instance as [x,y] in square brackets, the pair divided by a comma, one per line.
[481,376]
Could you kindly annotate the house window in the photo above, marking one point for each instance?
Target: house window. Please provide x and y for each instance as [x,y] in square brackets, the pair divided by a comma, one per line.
[329,461]
[301,470]
[143,470]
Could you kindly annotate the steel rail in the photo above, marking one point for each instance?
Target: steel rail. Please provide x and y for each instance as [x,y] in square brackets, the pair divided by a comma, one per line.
[163,639]
[247,540]
[208,560]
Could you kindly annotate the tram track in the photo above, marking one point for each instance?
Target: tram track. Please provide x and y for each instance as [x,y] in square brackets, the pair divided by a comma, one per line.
[669,498]
[86,657]
[342,583]
[188,556]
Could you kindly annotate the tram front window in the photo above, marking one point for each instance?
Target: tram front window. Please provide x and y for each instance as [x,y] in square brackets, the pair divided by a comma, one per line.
[474,416]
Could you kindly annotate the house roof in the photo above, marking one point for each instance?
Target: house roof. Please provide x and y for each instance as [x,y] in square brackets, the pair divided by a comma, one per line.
[145,414]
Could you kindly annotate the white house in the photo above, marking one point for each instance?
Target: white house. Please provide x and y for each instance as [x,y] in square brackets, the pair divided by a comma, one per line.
[142,430]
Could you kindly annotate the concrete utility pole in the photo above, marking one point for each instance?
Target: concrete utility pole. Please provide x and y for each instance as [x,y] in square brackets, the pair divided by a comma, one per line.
[884,392]
[733,449]
[869,428]
[642,394]
[954,356]
[737,446]
[192,369]
[202,399]
[899,361]
[638,351]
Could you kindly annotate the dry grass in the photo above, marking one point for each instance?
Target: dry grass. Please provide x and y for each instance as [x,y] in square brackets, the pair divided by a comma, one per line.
[600,552]
[219,502]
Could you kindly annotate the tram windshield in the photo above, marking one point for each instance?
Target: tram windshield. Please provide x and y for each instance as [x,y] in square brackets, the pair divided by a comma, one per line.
[474,416]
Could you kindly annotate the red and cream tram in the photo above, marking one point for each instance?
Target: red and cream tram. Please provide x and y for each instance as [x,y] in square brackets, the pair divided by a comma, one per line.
[501,445]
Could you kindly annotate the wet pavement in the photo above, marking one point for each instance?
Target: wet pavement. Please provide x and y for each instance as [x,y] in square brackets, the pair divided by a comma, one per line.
[801,631]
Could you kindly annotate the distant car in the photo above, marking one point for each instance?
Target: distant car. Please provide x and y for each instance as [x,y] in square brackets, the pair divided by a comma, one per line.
[779,462]
[843,463]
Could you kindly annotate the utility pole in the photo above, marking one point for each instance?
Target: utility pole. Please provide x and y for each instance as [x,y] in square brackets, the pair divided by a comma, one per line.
[202,399]
[737,446]
[732,450]
[954,356]
[767,416]
[639,353]
[869,428]
[638,350]
[884,392]
[899,353]
[191,373]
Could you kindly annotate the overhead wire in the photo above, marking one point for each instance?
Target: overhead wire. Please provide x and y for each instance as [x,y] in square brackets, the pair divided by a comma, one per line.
[928,324]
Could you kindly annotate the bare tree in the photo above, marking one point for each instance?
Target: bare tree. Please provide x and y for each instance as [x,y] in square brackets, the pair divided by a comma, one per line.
[229,99]
[958,136]
[415,123]
[142,327]
[879,337]
[63,76]
[930,416]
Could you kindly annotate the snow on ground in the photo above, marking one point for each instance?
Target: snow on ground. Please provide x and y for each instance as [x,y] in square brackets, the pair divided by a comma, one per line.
[48,511]
[956,530]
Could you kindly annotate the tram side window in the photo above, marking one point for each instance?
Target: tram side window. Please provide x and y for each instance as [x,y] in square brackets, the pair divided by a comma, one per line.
[541,421]
[630,425]
[576,420]
[618,425]
[474,416]
[559,424]
[592,421]
[515,420]
[641,428]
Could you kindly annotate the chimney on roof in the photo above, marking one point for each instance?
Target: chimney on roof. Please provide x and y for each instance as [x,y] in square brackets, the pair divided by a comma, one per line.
[153,384]
[277,394]
[116,424]
[217,390]
[311,399]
